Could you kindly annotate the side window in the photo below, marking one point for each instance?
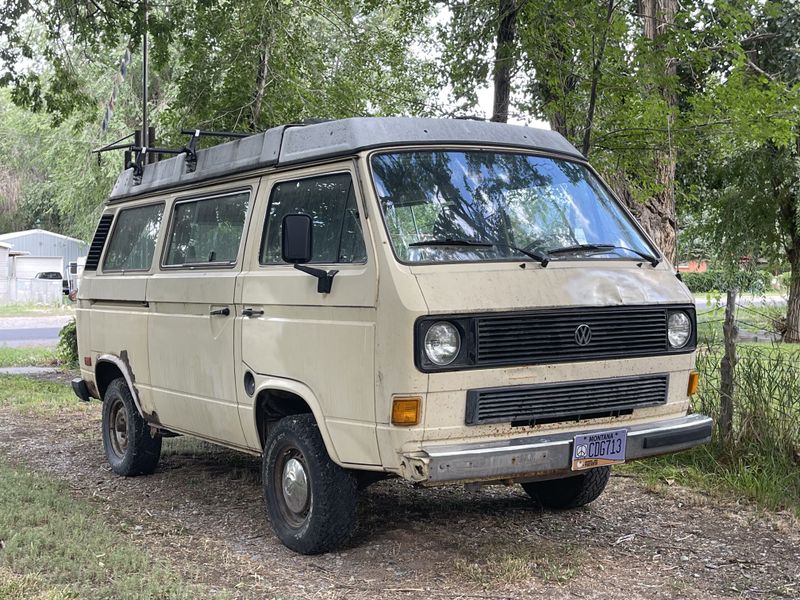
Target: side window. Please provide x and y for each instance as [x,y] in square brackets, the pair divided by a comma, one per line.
[207,230]
[331,202]
[133,240]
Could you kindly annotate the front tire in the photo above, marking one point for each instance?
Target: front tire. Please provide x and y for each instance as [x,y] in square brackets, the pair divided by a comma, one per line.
[570,492]
[130,447]
[311,500]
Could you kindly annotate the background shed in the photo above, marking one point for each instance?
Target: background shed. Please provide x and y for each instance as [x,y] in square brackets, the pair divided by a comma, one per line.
[38,242]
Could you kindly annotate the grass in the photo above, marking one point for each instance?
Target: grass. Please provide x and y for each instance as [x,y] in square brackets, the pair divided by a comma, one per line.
[35,310]
[36,396]
[56,547]
[772,483]
[26,357]
[762,461]
[503,566]
[756,319]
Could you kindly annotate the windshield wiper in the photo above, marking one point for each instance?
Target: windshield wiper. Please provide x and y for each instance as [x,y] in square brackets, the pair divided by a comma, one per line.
[542,259]
[603,248]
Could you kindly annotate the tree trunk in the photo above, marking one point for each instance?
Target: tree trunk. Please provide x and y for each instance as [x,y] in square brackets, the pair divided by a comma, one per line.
[792,334]
[727,382]
[262,78]
[658,214]
[597,63]
[504,60]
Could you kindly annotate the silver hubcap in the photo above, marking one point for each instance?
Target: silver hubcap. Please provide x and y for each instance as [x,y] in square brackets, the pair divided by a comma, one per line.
[295,485]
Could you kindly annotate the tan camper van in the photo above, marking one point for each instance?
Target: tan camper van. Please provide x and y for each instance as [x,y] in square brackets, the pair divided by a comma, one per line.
[446,301]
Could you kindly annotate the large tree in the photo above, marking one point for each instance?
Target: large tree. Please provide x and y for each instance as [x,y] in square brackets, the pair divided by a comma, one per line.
[743,184]
[598,72]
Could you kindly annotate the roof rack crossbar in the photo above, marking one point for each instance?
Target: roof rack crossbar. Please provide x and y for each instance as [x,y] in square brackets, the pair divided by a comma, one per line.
[225,134]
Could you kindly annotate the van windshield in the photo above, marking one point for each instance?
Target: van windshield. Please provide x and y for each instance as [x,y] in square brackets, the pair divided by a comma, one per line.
[451,206]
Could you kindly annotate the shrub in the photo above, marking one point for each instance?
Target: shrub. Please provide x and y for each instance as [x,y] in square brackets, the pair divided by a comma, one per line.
[67,349]
[755,282]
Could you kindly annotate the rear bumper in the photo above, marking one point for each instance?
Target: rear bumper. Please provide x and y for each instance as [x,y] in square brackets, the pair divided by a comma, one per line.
[546,455]
[81,389]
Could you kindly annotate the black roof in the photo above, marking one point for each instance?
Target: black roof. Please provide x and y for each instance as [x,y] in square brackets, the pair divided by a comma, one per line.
[297,144]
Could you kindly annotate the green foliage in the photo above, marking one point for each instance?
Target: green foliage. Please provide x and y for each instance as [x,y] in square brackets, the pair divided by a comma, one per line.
[29,395]
[62,548]
[764,461]
[755,282]
[67,348]
[26,357]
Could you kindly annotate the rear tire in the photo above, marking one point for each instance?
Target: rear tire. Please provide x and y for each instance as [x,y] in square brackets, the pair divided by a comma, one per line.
[570,492]
[130,448]
[311,500]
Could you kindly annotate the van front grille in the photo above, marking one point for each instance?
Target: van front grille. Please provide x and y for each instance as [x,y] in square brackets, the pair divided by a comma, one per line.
[573,401]
[553,335]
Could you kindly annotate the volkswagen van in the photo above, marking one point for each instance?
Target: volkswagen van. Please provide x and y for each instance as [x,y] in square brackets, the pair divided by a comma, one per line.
[445,301]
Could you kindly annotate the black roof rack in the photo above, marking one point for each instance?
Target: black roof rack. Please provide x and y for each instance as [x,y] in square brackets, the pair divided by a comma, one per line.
[317,141]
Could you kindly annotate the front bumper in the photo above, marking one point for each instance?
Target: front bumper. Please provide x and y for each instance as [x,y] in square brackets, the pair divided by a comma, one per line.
[546,455]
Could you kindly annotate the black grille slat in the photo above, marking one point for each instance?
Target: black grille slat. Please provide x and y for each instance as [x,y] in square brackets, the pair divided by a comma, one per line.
[98,243]
[570,401]
[549,336]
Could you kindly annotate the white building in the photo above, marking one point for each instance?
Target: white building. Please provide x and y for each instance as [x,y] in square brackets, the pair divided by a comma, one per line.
[38,242]
[26,254]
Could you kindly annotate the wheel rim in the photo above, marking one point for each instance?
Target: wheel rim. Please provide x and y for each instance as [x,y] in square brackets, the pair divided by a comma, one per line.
[292,486]
[118,428]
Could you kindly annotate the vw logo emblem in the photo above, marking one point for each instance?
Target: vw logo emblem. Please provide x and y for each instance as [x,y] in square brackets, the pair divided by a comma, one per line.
[583,335]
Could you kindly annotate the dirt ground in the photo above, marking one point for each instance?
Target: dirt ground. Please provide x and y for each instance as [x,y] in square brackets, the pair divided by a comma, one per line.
[202,512]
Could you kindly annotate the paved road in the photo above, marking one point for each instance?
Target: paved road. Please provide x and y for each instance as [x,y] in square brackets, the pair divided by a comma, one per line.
[35,336]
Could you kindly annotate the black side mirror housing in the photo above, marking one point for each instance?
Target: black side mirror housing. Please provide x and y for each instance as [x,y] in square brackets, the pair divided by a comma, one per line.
[297,238]
[297,249]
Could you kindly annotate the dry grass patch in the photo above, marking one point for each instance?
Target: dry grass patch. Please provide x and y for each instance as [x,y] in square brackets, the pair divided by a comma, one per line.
[549,563]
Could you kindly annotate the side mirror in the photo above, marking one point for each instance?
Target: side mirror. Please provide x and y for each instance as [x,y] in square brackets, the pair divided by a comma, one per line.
[297,238]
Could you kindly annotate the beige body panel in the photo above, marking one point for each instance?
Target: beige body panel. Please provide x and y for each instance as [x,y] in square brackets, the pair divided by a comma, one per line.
[324,341]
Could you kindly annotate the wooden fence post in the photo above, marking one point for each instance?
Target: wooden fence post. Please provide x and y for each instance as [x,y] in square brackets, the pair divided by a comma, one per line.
[727,382]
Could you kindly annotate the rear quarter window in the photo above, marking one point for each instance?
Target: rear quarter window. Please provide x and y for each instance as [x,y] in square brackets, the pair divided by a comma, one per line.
[133,240]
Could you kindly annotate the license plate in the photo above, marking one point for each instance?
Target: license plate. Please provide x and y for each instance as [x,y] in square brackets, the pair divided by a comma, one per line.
[599,449]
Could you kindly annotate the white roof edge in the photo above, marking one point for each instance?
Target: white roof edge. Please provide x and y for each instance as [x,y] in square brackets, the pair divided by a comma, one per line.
[15,234]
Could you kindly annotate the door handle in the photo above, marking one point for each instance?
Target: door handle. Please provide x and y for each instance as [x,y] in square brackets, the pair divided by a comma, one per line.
[220,312]
[252,312]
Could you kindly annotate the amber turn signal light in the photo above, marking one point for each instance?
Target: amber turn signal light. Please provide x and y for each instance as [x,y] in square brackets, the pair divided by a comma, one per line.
[405,410]
[694,381]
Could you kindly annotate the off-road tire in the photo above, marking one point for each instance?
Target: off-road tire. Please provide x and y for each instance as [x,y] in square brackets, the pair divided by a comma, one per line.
[141,450]
[329,515]
[570,492]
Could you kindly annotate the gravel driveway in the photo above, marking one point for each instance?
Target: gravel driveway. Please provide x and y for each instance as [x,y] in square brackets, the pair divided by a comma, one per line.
[202,511]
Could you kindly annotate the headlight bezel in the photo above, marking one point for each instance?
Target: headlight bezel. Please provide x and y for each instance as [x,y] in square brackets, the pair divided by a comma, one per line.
[462,358]
[690,337]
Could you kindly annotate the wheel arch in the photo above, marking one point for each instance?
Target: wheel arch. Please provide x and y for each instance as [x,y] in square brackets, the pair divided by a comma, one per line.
[277,398]
[109,367]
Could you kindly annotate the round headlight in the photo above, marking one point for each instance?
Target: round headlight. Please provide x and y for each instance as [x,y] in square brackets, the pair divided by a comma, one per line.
[442,343]
[679,329]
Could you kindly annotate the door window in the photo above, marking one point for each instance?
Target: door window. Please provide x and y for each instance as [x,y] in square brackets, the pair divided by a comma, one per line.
[330,200]
[207,231]
[134,239]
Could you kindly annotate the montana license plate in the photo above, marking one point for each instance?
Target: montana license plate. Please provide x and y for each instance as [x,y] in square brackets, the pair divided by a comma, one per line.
[599,449]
